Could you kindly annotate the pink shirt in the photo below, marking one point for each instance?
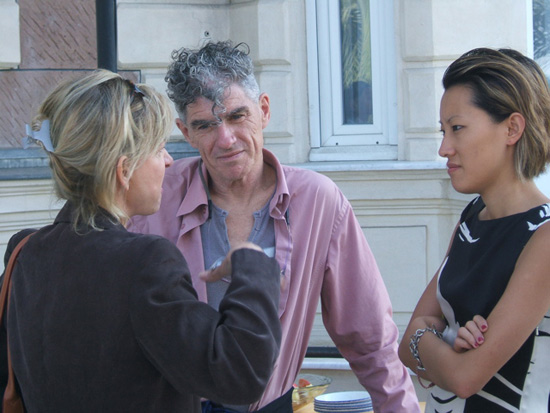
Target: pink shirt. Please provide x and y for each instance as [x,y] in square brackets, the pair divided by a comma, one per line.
[322,252]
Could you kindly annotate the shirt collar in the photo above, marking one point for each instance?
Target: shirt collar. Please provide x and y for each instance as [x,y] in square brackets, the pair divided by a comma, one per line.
[196,195]
[281,199]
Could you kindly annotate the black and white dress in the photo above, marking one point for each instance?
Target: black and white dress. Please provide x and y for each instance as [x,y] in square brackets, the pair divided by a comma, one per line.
[472,280]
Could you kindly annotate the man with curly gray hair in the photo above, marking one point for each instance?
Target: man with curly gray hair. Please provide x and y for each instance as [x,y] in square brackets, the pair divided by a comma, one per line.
[237,190]
[208,74]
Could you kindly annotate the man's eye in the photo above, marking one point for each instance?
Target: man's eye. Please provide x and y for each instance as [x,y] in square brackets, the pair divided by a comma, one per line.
[205,126]
[237,116]
[457,128]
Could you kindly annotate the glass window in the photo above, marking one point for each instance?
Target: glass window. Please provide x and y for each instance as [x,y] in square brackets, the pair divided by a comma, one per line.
[356,62]
[541,53]
[541,34]
[352,80]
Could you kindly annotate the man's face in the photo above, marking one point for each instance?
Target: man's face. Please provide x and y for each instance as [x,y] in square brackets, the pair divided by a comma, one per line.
[231,148]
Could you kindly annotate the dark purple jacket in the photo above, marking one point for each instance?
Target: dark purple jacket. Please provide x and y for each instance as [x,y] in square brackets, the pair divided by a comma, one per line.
[108,321]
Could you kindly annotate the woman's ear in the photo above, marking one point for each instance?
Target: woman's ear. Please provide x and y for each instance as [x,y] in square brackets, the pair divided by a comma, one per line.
[516,126]
[123,173]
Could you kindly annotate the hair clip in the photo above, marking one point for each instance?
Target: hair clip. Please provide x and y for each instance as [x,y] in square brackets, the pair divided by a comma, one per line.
[135,89]
[40,137]
[138,90]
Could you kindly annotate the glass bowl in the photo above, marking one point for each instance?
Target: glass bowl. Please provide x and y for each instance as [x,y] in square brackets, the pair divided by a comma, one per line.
[307,387]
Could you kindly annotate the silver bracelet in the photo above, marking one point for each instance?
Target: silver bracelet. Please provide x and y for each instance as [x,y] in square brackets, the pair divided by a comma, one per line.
[415,339]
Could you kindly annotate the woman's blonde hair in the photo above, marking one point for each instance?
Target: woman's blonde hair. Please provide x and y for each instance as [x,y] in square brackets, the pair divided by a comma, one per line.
[503,82]
[94,121]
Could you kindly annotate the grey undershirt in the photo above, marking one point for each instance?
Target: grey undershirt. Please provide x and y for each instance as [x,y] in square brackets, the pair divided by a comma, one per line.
[215,246]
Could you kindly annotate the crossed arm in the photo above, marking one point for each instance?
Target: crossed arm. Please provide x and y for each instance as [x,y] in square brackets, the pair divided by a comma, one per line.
[464,369]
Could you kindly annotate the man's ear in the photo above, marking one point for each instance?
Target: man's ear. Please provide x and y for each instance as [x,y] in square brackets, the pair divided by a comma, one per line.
[185,131]
[516,126]
[123,173]
[265,108]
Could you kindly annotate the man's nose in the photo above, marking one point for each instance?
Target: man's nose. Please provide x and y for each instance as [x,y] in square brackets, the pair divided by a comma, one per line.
[226,136]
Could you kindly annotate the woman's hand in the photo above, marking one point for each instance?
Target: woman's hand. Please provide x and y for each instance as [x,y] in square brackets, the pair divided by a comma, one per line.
[471,335]
[224,269]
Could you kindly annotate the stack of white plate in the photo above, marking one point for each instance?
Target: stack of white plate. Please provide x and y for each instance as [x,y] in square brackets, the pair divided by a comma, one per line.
[343,402]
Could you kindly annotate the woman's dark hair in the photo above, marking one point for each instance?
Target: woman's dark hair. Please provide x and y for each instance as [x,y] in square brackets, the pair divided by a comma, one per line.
[503,82]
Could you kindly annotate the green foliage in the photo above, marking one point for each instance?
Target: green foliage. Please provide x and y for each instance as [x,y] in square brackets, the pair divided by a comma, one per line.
[356,41]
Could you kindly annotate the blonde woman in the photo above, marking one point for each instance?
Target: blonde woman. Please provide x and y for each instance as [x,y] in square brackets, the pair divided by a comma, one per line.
[103,320]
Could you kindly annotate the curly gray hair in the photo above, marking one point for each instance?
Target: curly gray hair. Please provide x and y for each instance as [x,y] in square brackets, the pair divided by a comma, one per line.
[209,72]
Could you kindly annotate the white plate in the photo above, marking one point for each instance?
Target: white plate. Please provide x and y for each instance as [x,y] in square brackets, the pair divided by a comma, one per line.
[358,408]
[342,409]
[343,397]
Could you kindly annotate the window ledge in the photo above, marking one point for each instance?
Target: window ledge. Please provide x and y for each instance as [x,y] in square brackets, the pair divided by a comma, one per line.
[22,164]
[355,166]
[353,153]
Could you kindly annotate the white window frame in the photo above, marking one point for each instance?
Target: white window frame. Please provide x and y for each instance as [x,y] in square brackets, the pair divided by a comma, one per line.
[331,140]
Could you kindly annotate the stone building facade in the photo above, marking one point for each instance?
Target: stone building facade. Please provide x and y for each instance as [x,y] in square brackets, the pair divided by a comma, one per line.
[400,190]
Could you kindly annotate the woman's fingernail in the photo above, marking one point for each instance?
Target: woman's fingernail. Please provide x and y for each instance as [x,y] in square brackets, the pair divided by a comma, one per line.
[484,327]
[480,340]
[476,345]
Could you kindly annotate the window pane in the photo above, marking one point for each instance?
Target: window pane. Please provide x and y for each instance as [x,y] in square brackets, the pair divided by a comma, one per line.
[356,62]
[352,80]
[541,49]
[541,33]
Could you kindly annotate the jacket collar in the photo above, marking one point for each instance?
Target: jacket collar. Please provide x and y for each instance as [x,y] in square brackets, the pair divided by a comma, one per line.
[104,220]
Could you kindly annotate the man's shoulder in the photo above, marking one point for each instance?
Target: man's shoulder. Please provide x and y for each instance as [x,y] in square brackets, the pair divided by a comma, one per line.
[317,191]
[298,178]
[297,174]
